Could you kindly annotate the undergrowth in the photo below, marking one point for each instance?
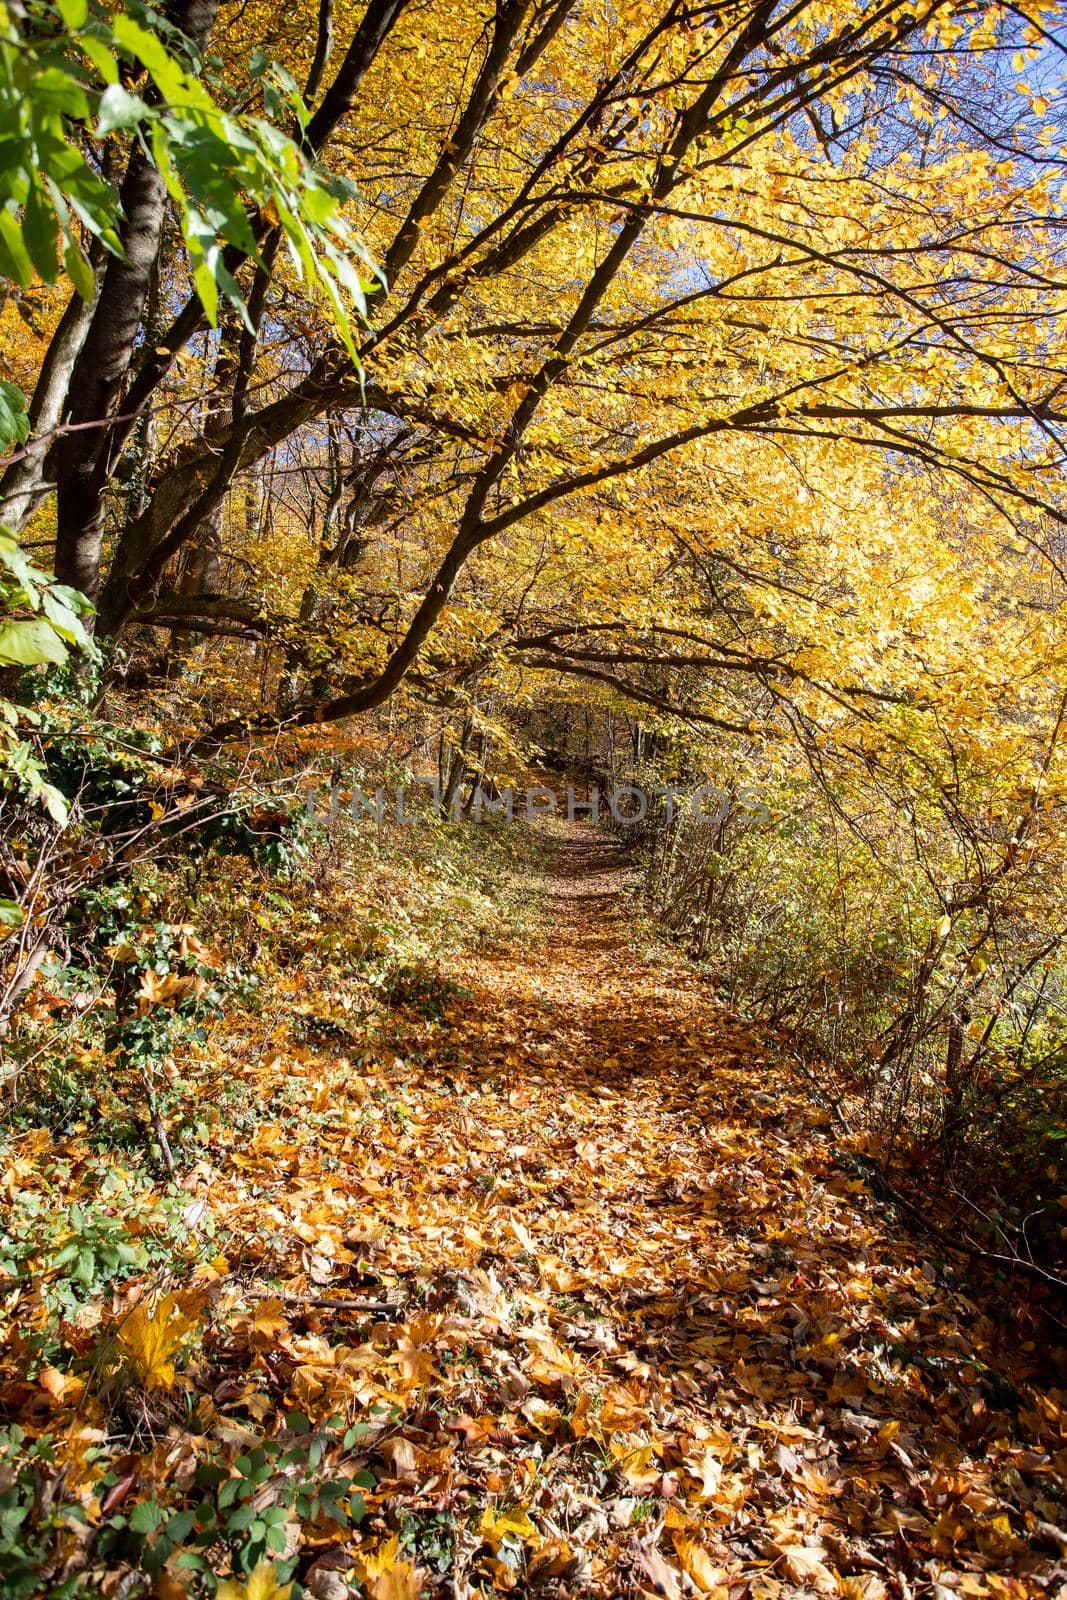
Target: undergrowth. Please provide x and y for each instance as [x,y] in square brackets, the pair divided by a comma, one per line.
[169,1007]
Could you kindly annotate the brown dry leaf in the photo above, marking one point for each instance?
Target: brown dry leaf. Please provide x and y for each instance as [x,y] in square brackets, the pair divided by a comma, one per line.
[664,1577]
[63,1387]
[416,1363]
[401,1457]
[168,989]
[497,1525]
[727,1335]
[621,1413]
[804,1565]
[638,1466]
[559,1277]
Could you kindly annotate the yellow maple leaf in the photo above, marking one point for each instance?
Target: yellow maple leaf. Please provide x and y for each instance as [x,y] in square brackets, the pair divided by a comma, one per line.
[497,1525]
[638,1466]
[167,989]
[151,1336]
[261,1584]
[696,1561]
[415,1363]
[387,1577]
[269,1323]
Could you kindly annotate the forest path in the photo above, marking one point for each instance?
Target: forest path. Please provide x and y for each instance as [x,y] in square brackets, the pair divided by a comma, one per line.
[666,1342]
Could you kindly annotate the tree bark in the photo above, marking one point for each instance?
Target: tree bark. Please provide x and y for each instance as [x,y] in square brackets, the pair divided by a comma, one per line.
[85,456]
[25,482]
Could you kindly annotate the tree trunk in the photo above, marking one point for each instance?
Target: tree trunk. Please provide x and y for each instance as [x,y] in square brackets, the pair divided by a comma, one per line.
[25,482]
[457,769]
[84,458]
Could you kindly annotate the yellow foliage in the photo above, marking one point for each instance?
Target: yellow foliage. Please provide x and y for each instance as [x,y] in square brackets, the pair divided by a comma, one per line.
[151,1336]
[261,1584]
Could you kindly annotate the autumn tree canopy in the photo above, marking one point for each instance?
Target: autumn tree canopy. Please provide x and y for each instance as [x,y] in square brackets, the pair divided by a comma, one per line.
[705,338]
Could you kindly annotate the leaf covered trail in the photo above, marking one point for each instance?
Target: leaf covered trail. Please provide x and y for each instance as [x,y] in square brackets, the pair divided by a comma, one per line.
[666,1341]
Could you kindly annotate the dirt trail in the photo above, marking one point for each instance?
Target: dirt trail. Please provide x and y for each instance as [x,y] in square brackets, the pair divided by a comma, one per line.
[666,1331]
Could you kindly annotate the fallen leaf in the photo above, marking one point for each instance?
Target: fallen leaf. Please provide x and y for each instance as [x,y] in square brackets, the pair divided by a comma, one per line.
[151,1336]
[261,1584]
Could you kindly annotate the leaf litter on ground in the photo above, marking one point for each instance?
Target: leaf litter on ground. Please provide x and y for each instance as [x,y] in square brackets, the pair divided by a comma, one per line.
[648,1333]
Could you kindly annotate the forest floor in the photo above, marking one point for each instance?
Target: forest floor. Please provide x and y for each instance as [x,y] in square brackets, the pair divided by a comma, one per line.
[642,1329]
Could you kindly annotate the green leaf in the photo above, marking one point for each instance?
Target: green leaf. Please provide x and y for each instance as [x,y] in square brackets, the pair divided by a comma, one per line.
[100,56]
[180,1526]
[15,262]
[119,109]
[41,233]
[55,90]
[65,621]
[75,13]
[11,915]
[73,599]
[169,77]
[26,575]
[146,1517]
[14,423]
[78,270]
[31,643]
[220,168]
[207,289]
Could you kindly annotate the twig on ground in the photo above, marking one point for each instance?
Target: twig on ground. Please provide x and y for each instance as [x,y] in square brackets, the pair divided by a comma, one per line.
[324,1302]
